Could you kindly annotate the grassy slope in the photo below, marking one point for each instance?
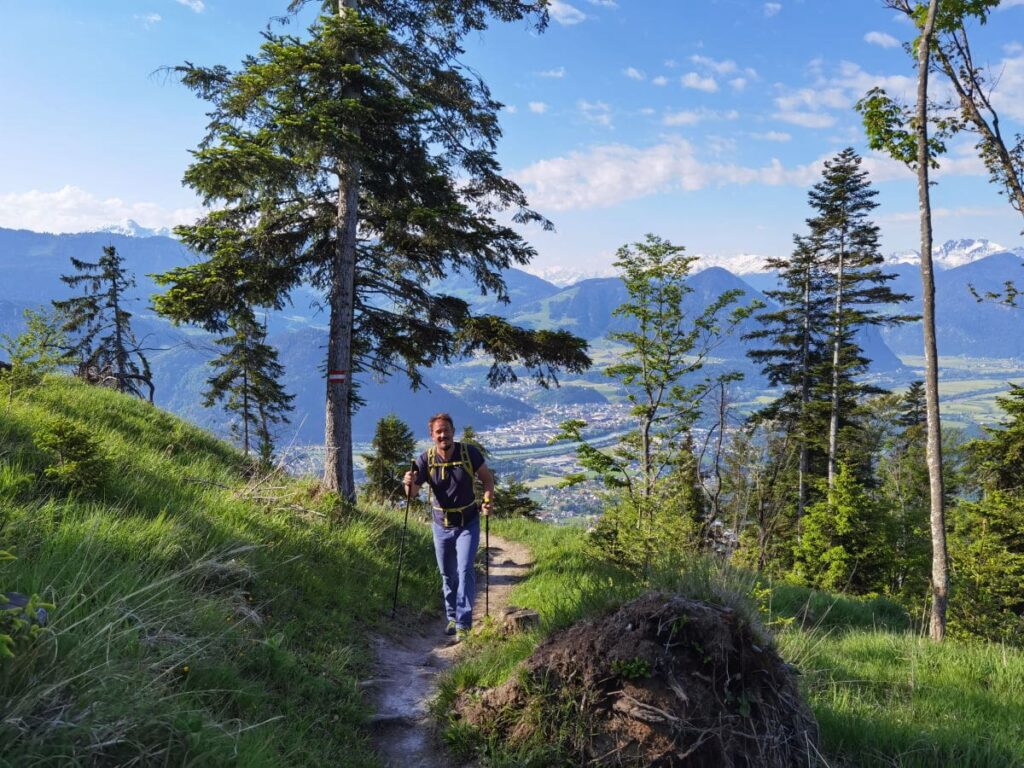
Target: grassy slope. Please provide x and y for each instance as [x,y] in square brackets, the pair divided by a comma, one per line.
[882,695]
[195,622]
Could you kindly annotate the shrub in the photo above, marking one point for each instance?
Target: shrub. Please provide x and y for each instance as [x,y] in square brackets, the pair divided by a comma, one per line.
[77,462]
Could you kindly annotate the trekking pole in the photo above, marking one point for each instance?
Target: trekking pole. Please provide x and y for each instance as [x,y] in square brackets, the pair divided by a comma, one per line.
[487,565]
[401,549]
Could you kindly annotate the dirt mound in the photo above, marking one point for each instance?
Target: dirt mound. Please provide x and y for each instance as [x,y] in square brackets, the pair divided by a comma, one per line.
[664,681]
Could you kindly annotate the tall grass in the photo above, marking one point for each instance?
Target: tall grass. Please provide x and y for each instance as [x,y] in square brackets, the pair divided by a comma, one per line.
[204,614]
[883,696]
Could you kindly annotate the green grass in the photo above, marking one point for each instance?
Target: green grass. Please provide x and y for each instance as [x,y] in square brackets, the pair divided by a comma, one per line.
[883,696]
[202,616]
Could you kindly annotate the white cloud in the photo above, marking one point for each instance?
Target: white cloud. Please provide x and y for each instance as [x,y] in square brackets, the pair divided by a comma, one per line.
[694,116]
[604,3]
[942,213]
[726,67]
[511,108]
[597,112]
[561,12]
[1012,49]
[660,80]
[196,5]
[538,107]
[882,39]
[557,73]
[72,209]
[779,136]
[647,111]
[148,19]
[771,9]
[633,73]
[806,119]
[1008,94]
[738,83]
[1009,4]
[693,80]
[610,174]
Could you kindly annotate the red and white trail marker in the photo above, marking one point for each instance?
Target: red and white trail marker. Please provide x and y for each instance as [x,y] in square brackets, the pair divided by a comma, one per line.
[337,377]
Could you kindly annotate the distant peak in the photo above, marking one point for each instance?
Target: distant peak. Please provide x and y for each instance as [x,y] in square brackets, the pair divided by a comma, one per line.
[132,228]
[955,253]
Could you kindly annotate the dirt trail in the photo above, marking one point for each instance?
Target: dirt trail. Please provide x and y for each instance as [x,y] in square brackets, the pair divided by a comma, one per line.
[405,676]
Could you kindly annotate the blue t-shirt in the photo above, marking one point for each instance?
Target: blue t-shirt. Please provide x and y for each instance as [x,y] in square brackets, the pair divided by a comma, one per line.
[451,484]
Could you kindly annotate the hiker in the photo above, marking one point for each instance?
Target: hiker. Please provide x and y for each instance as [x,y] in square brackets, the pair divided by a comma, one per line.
[449,466]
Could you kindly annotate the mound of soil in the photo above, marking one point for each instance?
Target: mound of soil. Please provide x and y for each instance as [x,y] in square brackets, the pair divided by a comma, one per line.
[664,681]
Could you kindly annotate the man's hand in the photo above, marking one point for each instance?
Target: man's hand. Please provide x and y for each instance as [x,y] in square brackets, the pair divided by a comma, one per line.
[487,505]
[409,480]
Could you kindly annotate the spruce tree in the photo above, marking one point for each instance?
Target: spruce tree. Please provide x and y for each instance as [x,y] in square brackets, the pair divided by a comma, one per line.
[248,381]
[393,447]
[105,347]
[795,357]
[359,159]
[845,242]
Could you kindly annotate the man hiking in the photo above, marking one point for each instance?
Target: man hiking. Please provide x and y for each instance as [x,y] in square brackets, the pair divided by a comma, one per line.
[449,466]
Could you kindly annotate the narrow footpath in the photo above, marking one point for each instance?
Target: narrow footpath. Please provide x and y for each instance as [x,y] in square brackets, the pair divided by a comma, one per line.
[405,676]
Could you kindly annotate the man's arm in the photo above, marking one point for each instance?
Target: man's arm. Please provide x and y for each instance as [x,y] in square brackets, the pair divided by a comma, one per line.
[487,478]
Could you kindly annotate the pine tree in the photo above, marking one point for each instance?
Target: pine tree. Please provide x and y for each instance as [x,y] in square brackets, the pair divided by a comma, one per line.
[360,160]
[831,287]
[248,381]
[796,357]
[846,544]
[105,346]
[393,447]
[846,244]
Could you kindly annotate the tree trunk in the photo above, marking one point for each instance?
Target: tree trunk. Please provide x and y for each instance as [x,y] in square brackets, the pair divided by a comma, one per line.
[245,409]
[940,566]
[805,399]
[833,422]
[338,433]
[120,356]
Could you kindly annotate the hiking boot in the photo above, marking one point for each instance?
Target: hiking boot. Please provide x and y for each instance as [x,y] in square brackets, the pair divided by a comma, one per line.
[450,629]
[461,633]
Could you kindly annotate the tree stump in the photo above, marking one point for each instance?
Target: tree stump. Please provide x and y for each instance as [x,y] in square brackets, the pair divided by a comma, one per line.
[520,619]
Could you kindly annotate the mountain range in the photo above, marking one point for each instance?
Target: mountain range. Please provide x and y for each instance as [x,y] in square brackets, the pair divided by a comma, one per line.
[31,264]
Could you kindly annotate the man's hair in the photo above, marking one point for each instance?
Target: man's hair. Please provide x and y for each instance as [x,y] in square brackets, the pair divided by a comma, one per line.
[440,417]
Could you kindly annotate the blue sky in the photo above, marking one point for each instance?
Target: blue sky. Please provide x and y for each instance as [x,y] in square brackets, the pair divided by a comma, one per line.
[704,121]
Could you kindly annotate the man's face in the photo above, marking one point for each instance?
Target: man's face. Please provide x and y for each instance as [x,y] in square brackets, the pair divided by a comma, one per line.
[442,434]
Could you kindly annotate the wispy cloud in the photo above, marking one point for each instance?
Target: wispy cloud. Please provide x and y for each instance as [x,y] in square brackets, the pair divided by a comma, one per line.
[779,136]
[738,83]
[613,173]
[883,39]
[196,5]
[772,9]
[1009,4]
[694,116]
[560,11]
[597,112]
[659,80]
[148,19]
[604,3]
[72,209]
[726,67]
[558,73]
[538,107]
[806,119]
[698,82]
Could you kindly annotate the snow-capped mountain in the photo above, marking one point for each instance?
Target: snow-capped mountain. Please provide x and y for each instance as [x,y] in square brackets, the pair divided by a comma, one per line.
[566,276]
[738,264]
[956,253]
[131,228]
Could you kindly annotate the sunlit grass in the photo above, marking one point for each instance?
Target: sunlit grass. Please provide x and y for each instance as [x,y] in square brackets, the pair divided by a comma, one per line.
[204,615]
